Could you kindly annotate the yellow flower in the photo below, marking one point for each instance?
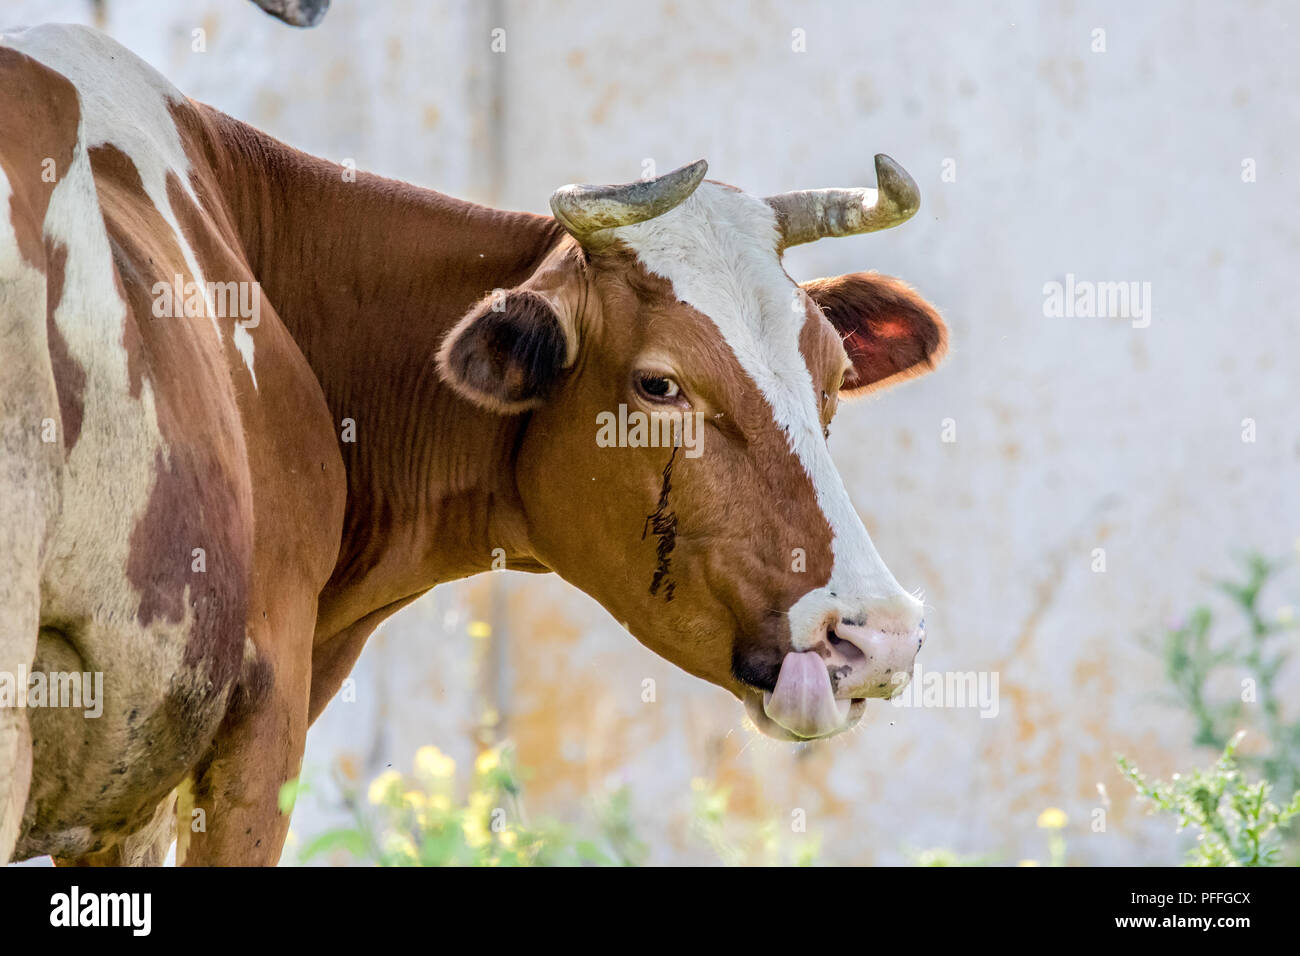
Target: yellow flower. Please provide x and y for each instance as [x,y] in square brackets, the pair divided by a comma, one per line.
[385,787]
[480,629]
[1052,819]
[488,761]
[399,845]
[440,803]
[477,818]
[433,763]
[1028,863]
[414,799]
[433,812]
[476,832]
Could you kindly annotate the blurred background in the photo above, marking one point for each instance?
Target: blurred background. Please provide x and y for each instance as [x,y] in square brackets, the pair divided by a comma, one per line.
[1065,490]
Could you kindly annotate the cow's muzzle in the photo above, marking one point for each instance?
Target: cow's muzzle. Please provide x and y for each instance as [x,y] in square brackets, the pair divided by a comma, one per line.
[822,691]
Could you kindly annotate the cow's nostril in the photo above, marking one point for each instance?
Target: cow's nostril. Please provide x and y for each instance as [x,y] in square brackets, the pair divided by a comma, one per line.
[863,659]
[843,650]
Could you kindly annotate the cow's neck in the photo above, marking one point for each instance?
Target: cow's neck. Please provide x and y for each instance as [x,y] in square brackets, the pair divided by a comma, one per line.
[368,275]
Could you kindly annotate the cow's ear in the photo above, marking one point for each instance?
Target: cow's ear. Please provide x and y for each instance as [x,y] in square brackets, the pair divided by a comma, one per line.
[889,331]
[508,353]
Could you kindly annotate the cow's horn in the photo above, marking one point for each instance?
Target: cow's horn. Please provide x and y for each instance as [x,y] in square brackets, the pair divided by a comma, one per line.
[811,214]
[296,13]
[586,210]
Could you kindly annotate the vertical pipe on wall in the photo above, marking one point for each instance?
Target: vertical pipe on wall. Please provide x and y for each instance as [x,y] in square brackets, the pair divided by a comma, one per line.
[489,43]
[489,46]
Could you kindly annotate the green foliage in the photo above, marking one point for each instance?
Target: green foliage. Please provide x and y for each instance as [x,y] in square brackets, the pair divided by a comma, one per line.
[738,842]
[417,820]
[1257,647]
[938,856]
[1236,824]
[1052,820]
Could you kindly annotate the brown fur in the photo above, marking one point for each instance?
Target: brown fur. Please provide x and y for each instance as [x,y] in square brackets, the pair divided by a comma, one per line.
[889,332]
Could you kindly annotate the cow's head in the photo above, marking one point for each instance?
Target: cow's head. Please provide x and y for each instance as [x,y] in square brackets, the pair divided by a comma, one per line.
[726,540]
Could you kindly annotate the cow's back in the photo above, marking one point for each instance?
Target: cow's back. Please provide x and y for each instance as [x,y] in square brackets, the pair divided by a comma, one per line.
[172,440]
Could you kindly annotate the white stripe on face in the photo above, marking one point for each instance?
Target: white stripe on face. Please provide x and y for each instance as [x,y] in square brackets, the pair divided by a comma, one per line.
[719,251]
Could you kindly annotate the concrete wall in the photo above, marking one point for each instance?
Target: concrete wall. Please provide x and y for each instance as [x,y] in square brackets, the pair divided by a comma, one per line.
[1071,433]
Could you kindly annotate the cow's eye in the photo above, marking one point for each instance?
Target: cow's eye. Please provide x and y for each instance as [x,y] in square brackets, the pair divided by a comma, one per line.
[658,388]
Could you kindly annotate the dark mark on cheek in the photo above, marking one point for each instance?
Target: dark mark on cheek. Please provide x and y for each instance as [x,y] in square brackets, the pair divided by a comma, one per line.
[664,524]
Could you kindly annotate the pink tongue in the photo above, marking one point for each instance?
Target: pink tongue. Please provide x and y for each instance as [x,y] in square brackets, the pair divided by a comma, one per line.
[803,702]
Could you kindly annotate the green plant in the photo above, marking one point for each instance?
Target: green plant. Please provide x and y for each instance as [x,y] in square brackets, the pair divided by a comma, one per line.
[1236,823]
[1194,655]
[939,856]
[1052,820]
[740,842]
[416,820]
[1207,648]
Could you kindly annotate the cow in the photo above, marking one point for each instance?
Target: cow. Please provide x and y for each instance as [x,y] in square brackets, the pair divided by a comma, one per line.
[212,505]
